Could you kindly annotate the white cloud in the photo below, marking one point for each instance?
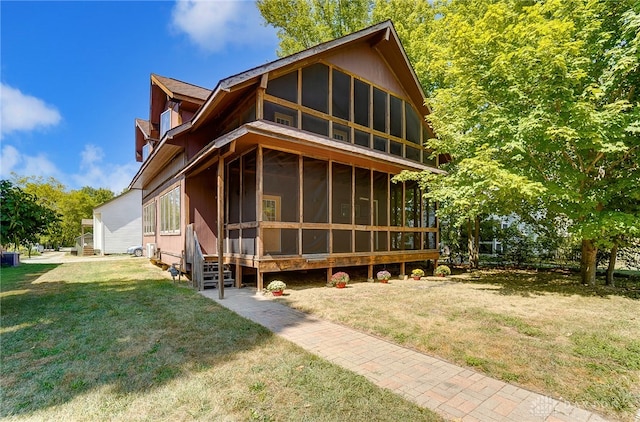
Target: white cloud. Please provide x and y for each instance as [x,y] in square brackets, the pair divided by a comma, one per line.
[93,170]
[14,161]
[22,112]
[214,24]
[96,173]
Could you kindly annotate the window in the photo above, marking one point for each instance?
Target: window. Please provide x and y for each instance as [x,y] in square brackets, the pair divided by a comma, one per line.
[283,119]
[285,87]
[315,87]
[361,103]
[149,218]
[341,95]
[146,150]
[341,133]
[165,122]
[170,212]
[379,110]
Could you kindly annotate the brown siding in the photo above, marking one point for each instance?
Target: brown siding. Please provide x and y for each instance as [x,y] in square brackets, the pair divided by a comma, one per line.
[201,193]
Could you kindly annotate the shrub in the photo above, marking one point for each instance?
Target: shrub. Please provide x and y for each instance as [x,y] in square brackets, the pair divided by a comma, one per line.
[383,275]
[339,277]
[276,285]
[418,272]
[442,270]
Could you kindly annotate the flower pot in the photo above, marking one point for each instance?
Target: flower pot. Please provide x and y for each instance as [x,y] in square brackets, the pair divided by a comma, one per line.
[440,275]
[384,280]
[277,292]
[415,277]
[341,285]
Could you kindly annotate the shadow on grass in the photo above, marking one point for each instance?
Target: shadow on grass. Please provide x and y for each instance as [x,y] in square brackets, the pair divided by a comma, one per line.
[62,338]
[527,283]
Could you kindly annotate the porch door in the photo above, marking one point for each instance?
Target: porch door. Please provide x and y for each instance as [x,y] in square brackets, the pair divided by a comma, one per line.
[271,211]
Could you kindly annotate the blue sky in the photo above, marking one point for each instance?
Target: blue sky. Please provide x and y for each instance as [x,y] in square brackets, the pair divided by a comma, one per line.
[75,75]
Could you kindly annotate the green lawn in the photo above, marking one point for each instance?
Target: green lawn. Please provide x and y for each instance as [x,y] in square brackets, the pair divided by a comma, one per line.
[541,330]
[120,341]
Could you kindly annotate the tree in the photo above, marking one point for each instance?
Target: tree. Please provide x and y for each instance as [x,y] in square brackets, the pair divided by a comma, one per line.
[304,23]
[72,205]
[548,87]
[23,219]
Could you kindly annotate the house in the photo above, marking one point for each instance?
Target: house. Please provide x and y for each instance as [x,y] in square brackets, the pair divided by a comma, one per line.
[117,224]
[288,166]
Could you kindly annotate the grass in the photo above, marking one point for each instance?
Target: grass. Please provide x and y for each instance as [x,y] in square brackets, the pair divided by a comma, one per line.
[119,340]
[542,331]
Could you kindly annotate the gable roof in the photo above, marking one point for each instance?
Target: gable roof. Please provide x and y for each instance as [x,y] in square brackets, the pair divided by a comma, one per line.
[181,90]
[382,37]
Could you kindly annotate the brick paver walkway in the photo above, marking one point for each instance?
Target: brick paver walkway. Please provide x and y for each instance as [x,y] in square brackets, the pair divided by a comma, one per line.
[454,392]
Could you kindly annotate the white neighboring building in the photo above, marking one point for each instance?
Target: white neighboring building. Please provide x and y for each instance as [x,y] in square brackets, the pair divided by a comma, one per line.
[117,224]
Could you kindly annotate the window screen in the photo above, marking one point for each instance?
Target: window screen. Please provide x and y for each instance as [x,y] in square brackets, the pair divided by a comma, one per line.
[315,87]
[341,95]
[379,143]
[380,241]
[279,114]
[280,241]
[395,116]
[413,200]
[426,158]
[233,180]
[361,103]
[380,198]
[249,187]
[341,194]
[315,124]
[341,133]
[379,110]
[413,153]
[248,242]
[397,207]
[315,191]
[363,194]
[396,241]
[285,87]
[234,241]
[280,186]
[342,241]
[430,241]
[395,148]
[362,138]
[363,241]
[315,241]
[412,124]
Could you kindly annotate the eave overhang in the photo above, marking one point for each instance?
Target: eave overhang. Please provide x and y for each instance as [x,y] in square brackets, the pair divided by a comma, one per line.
[295,137]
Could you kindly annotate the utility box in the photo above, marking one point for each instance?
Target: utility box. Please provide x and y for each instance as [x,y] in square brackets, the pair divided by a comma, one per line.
[11,259]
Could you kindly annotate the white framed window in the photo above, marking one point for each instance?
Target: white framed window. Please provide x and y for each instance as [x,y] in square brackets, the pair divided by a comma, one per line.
[340,135]
[149,219]
[283,119]
[170,212]
[165,122]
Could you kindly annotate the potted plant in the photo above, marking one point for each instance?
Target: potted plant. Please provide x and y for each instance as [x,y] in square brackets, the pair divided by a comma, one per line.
[383,276]
[276,287]
[442,270]
[340,279]
[417,273]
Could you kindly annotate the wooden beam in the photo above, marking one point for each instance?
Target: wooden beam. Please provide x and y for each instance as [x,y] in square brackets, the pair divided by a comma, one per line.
[220,202]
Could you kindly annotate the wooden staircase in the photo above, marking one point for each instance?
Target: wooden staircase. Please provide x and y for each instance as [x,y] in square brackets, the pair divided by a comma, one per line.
[88,251]
[210,274]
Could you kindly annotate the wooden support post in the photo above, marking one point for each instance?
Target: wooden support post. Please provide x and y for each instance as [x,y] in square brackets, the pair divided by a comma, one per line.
[238,275]
[402,268]
[369,272]
[220,201]
[259,280]
[329,273]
